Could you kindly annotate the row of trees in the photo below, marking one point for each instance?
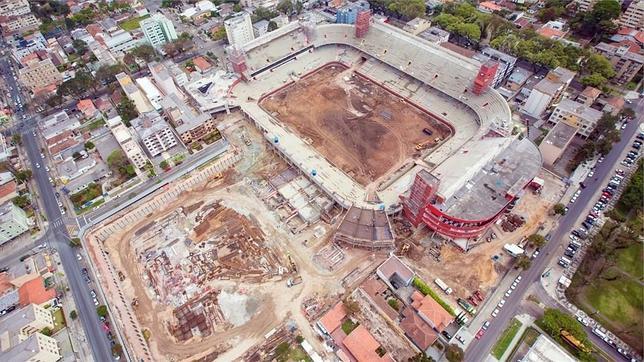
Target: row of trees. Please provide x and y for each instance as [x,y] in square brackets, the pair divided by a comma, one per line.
[402,9]
[554,321]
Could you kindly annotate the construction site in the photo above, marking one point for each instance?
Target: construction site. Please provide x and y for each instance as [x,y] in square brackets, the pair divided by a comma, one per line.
[360,127]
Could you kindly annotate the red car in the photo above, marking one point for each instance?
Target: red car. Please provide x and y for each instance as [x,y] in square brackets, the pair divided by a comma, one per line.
[480,333]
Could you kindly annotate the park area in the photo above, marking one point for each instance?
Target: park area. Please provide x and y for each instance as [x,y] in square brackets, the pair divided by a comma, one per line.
[608,284]
[359,126]
[132,24]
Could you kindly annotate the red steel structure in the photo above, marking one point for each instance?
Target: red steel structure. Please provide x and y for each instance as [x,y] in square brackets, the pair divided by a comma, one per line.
[485,77]
[421,207]
[362,23]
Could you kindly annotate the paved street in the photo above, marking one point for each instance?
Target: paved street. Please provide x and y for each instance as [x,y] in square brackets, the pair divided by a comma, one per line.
[480,348]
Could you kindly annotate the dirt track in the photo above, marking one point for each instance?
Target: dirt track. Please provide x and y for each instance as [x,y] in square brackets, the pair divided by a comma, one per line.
[354,123]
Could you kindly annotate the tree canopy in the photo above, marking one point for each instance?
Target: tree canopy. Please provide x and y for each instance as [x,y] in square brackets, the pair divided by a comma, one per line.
[127,110]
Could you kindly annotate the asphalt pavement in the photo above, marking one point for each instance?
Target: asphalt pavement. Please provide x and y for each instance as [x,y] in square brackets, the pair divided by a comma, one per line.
[57,235]
[480,348]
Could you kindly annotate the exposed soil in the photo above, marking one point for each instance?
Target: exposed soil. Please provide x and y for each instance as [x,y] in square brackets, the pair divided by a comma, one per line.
[357,125]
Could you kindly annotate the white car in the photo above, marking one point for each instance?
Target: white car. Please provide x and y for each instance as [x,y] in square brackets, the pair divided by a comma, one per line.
[591,173]
[501,303]
[46,168]
[37,165]
[513,286]
[518,278]
[60,204]
[507,294]
[495,312]
[62,211]
[79,257]
[600,160]
[95,302]
[42,155]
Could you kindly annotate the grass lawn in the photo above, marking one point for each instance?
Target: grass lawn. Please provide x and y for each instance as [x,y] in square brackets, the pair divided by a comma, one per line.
[348,326]
[506,338]
[94,125]
[91,207]
[132,24]
[297,353]
[59,320]
[631,260]
[619,300]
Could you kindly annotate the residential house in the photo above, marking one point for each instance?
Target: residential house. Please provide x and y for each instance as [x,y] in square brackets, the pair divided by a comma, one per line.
[395,273]
[612,105]
[435,35]
[489,7]
[431,312]
[87,108]
[588,96]
[417,25]
[548,91]
[201,64]
[260,28]
[8,187]
[34,292]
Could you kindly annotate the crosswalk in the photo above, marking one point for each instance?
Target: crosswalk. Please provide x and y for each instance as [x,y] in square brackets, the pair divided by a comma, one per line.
[70,225]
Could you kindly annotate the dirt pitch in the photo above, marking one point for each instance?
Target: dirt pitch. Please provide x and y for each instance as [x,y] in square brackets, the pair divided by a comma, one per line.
[356,124]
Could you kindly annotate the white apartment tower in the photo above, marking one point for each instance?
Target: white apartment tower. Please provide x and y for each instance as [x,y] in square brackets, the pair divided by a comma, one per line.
[158,30]
[239,29]
[633,17]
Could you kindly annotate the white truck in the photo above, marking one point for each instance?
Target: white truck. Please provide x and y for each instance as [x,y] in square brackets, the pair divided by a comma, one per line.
[444,287]
[513,249]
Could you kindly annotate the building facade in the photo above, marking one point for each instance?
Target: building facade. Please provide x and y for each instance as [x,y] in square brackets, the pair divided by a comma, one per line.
[134,93]
[14,7]
[128,144]
[506,64]
[576,114]
[239,29]
[189,124]
[19,23]
[38,73]
[158,30]
[633,17]
[155,133]
[349,13]
[20,337]
[627,63]
[13,222]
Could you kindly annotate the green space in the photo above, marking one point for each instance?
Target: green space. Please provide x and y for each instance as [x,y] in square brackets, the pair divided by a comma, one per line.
[59,320]
[132,24]
[506,338]
[94,205]
[608,284]
[348,326]
[527,339]
[554,321]
[91,126]
[91,192]
[287,352]
[426,290]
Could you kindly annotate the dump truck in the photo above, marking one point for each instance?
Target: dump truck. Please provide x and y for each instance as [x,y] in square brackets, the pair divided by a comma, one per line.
[444,287]
[467,306]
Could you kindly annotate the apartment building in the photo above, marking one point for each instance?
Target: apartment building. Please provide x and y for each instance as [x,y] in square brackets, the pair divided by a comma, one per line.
[134,93]
[20,337]
[585,5]
[128,143]
[158,30]
[120,42]
[633,17]
[14,7]
[13,222]
[588,96]
[189,124]
[577,115]
[239,29]
[38,72]
[154,132]
[19,24]
[506,63]
[627,63]
[548,91]
[349,13]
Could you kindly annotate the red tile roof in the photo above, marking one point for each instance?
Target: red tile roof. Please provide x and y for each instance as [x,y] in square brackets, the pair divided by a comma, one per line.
[202,64]
[333,318]
[550,33]
[87,107]
[432,311]
[34,291]
[8,188]
[633,47]
[417,329]
[362,346]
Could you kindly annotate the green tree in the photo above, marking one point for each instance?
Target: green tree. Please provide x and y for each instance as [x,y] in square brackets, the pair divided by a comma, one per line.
[106,74]
[628,113]
[298,6]
[454,353]
[164,165]
[75,242]
[73,314]
[408,9]
[237,8]
[220,34]
[537,240]
[118,162]
[101,310]
[89,145]
[79,46]
[117,350]
[470,31]
[559,209]
[46,331]
[16,139]
[522,262]
[598,64]
[420,357]
[127,110]
[21,201]
[285,7]
[272,25]
[145,52]
[594,80]
[262,13]
[23,176]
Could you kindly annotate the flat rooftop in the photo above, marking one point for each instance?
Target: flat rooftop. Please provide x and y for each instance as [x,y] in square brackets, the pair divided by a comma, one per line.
[560,135]
[484,194]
